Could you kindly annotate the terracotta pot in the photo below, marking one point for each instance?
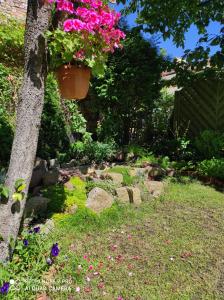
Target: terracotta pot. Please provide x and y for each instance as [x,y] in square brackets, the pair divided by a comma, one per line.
[73,81]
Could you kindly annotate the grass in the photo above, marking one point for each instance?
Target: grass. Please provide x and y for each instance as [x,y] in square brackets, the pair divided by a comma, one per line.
[170,248]
[127,179]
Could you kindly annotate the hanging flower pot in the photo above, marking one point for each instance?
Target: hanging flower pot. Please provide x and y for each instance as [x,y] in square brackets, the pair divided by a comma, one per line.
[73,81]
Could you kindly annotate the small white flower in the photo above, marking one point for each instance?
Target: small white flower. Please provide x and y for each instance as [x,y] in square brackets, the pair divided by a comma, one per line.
[77,289]
[122,232]
[79,267]
[88,279]
[172,258]
[95,273]
[130,274]
[12,281]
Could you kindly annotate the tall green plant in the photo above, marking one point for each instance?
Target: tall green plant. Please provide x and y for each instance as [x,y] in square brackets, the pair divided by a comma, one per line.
[124,97]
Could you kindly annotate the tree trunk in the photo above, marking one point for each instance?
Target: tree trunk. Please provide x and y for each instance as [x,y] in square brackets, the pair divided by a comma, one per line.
[28,120]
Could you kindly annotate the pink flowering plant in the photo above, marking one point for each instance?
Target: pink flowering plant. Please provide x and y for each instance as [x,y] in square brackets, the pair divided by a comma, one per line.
[87,35]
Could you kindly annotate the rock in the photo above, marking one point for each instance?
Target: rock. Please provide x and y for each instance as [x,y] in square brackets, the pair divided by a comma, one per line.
[51,177]
[70,164]
[45,228]
[86,169]
[117,178]
[54,164]
[40,169]
[145,194]
[134,195]
[156,188]
[72,209]
[140,172]
[170,172]
[98,172]
[103,166]
[36,206]
[48,226]
[120,156]
[36,191]
[156,172]
[122,194]
[98,200]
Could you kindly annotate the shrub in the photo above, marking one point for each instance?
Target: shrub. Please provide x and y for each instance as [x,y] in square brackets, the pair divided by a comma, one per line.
[150,158]
[135,151]
[162,111]
[93,151]
[210,144]
[8,89]
[53,137]
[11,41]
[213,168]
[105,185]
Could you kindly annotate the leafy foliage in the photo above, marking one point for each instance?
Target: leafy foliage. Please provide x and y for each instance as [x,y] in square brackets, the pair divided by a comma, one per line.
[162,112]
[210,144]
[124,97]
[8,97]
[11,41]
[213,168]
[53,137]
[93,150]
[173,19]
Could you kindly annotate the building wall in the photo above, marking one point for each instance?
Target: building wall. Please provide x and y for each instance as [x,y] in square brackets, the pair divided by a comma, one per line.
[15,8]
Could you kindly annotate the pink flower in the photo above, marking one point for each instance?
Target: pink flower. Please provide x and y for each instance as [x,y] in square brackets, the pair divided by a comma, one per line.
[68,25]
[113,247]
[96,3]
[107,19]
[120,298]
[91,267]
[80,54]
[73,25]
[65,5]
[101,285]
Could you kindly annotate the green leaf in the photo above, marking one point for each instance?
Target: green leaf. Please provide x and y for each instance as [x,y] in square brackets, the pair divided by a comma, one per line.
[21,187]
[4,191]
[19,182]
[17,196]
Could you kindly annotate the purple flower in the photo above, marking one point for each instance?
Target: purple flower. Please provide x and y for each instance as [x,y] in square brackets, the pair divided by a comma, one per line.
[30,231]
[36,229]
[55,250]
[4,288]
[25,242]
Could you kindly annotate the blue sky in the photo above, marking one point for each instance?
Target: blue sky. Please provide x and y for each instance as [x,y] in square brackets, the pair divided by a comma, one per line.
[191,37]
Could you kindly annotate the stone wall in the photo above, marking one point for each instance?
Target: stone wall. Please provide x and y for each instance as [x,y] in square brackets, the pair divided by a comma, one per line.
[15,8]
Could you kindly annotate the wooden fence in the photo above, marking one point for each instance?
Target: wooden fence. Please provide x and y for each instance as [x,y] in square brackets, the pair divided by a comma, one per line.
[199,107]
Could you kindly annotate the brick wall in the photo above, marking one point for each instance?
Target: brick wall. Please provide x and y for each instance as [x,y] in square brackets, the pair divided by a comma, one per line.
[15,8]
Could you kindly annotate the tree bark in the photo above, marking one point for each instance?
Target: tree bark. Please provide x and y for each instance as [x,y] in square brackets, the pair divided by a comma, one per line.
[28,120]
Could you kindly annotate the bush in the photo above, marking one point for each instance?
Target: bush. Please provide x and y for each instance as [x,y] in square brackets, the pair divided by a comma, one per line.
[53,137]
[213,168]
[105,185]
[210,144]
[8,88]
[135,151]
[11,41]
[162,111]
[93,151]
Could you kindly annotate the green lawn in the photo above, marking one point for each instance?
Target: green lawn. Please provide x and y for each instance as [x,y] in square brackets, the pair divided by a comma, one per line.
[171,248]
